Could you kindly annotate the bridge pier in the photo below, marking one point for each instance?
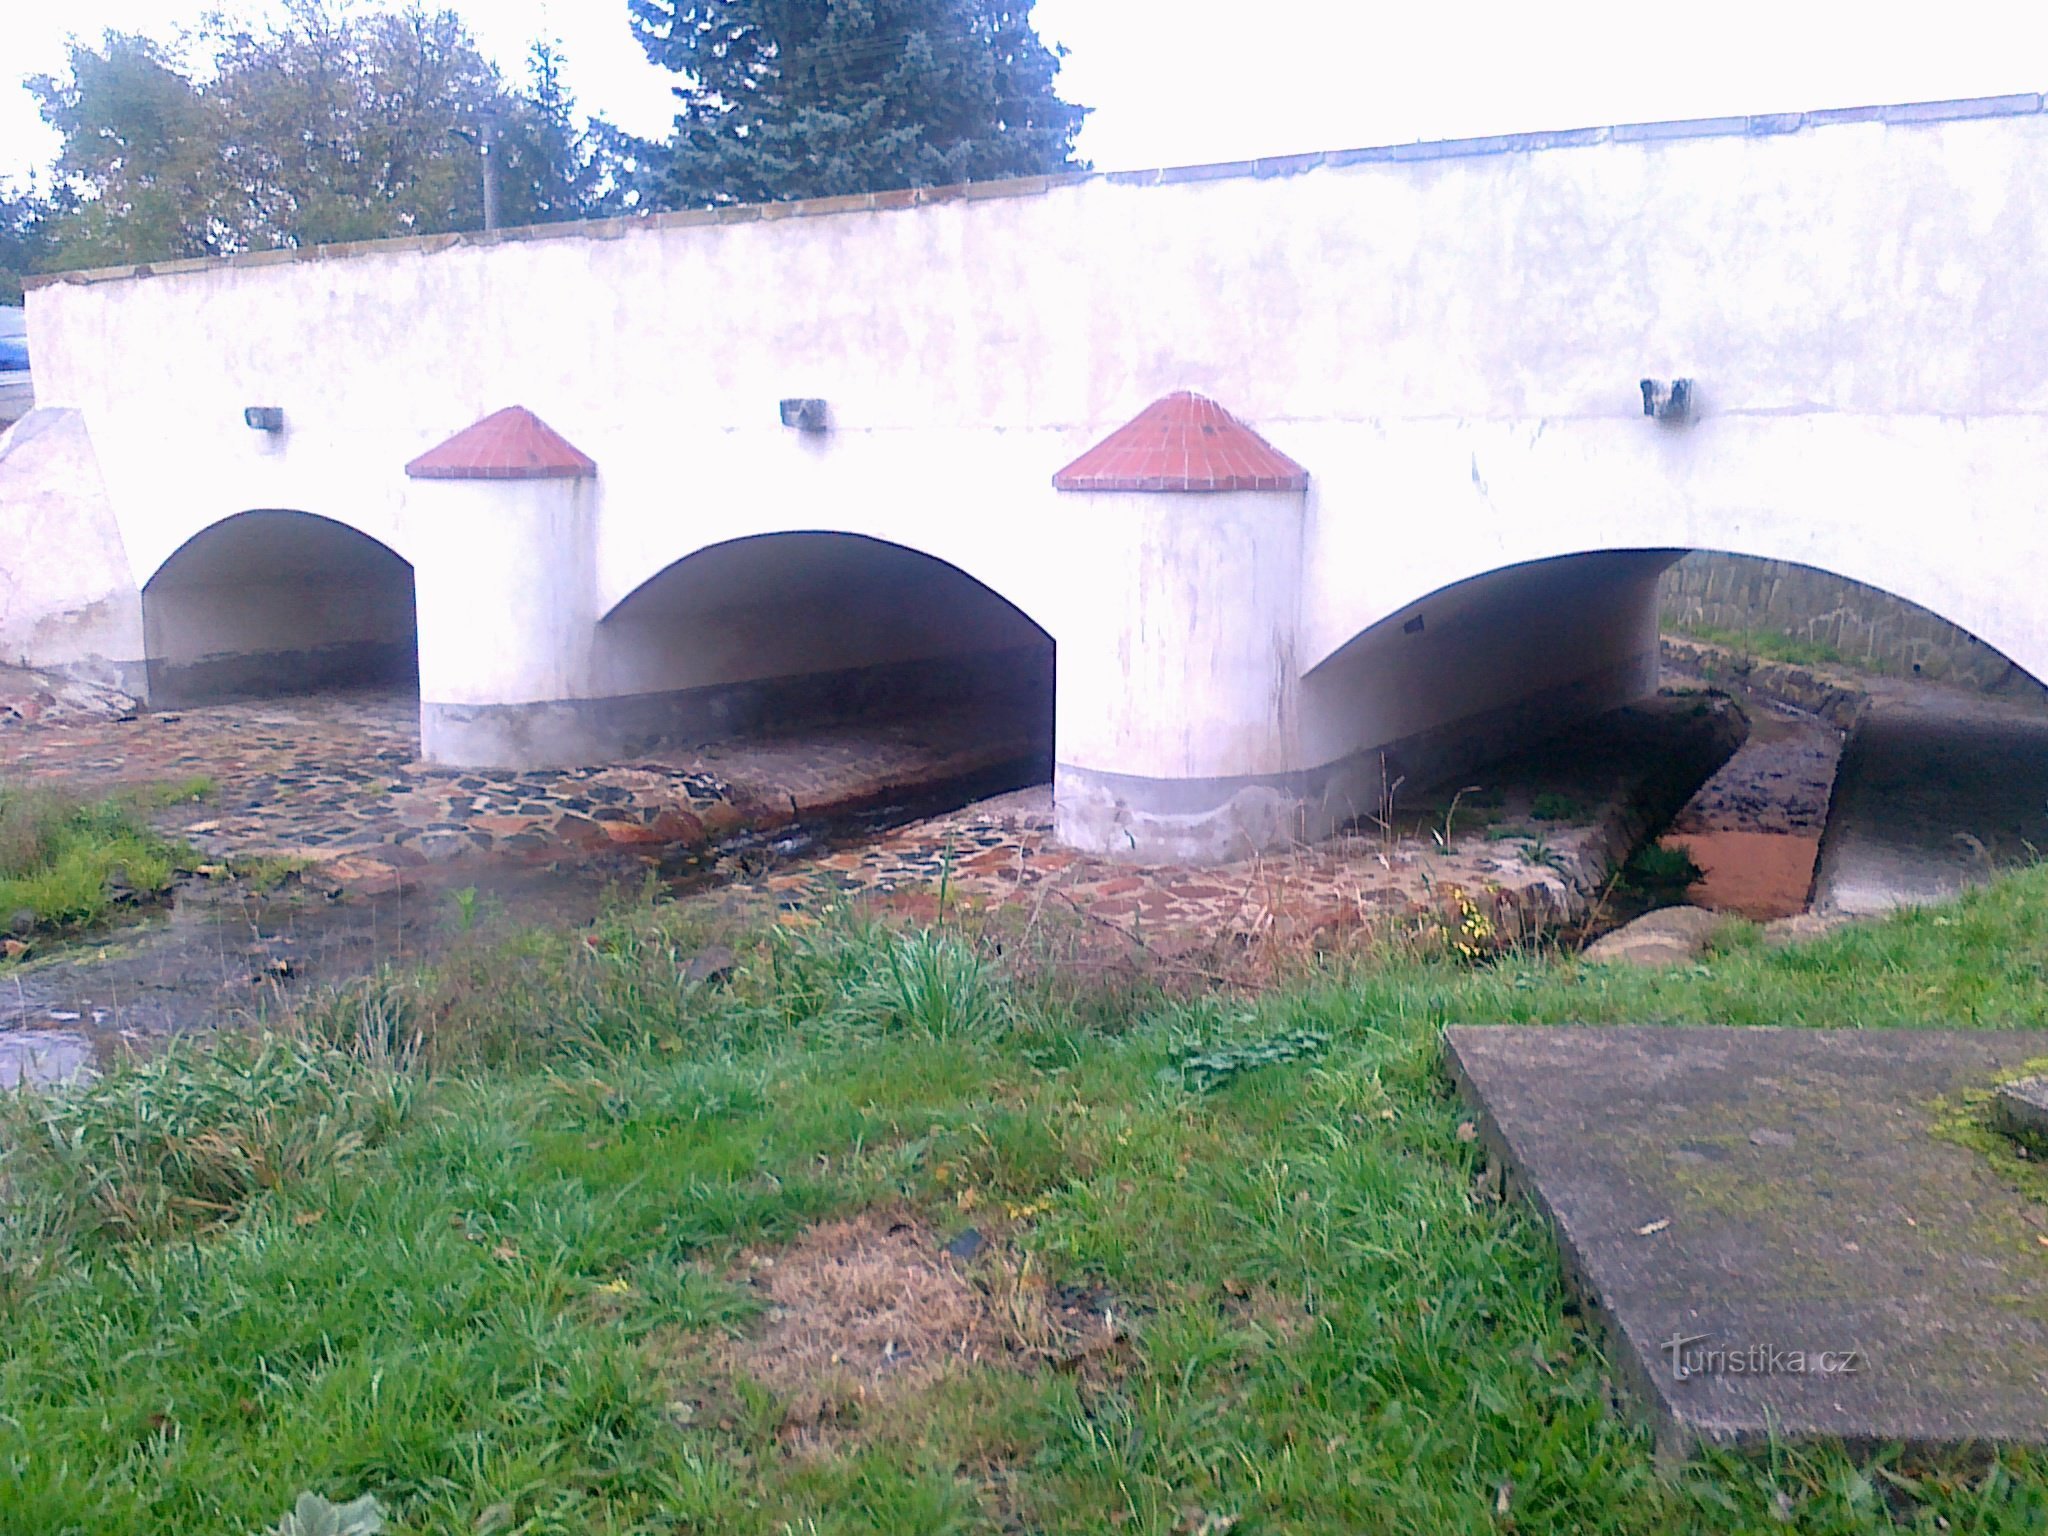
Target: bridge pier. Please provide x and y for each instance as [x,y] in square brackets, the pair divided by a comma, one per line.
[1179,729]
[504,517]
[1194,725]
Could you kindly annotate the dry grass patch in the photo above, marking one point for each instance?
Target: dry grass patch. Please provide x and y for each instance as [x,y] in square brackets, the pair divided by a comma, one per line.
[1279,1318]
[867,1312]
[862,1312]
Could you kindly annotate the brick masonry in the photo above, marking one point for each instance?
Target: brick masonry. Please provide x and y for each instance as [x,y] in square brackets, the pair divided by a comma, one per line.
[1185,442]
[512,444]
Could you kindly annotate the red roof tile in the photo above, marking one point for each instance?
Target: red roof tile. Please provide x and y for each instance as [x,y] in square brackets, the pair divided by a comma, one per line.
[512,444]
[1185,442]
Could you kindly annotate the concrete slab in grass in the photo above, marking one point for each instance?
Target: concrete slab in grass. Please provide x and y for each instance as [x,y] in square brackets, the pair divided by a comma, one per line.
[1774,1237]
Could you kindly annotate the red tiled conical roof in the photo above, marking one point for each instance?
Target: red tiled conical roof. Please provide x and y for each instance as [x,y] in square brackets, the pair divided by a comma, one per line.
[1185,442]
[512,444]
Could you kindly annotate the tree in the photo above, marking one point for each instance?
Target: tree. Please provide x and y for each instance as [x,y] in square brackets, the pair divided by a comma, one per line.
[791,98]
[346,126]
[23,238]
[338,126]
[556,169]
[335,123]
[141,150]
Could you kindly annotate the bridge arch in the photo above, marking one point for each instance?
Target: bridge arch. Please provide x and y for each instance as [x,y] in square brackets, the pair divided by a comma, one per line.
[277,601]
[816,626]
[1471,669]
[1950,569]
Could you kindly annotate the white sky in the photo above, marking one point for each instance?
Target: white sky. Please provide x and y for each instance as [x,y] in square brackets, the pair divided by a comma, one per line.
[1179,81]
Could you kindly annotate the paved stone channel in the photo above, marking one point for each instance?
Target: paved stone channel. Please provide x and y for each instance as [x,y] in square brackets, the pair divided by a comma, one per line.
[1524,847]
[337,779]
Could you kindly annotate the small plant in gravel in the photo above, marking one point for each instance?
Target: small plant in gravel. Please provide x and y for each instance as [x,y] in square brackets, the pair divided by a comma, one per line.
[267,872]
[158,797]
[1660,869]
[1553,806]
[1469,931]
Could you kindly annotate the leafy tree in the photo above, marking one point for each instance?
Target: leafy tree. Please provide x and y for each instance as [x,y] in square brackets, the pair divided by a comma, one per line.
[335,123]
[141,143]
[346,126]
[338,126]
[23,238]
[791,98]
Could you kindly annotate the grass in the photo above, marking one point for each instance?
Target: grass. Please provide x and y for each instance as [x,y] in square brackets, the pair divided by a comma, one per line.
[464,1240]
[65,864]
[1662,870]
[1774,645]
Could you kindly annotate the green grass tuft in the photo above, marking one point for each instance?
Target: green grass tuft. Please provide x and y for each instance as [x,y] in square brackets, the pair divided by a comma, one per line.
[65,863]
[1660,867]
[1774,645]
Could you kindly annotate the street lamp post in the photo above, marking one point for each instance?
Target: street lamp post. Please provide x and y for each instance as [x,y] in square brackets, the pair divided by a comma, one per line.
[487,141]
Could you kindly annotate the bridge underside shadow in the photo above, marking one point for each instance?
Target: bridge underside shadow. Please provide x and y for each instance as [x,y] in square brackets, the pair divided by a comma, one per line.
[793,635]
[1528,655]
[271,603]
[1474,671]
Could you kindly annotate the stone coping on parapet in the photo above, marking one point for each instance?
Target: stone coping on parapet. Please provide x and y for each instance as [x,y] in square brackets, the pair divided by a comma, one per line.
[1757,125]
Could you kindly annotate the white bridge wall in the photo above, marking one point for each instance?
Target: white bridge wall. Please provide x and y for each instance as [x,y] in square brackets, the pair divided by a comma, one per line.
[1448,337]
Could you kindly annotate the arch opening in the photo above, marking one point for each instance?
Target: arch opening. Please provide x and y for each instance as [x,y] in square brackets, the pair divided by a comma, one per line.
[275,602]
[1476,669]
[1892,755]
[798,631]
[1522,651]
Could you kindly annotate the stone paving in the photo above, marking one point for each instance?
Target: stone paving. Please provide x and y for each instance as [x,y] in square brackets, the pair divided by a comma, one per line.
[336,779]
[1486,871]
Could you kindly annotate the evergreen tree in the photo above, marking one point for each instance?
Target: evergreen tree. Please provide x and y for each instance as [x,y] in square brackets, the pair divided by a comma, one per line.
[797,98]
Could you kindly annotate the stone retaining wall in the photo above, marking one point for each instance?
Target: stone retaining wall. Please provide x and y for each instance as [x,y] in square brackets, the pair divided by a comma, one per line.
[1868,628]
[1835,699]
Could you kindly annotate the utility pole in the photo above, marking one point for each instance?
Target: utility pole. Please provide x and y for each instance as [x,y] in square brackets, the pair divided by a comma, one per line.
[487,136]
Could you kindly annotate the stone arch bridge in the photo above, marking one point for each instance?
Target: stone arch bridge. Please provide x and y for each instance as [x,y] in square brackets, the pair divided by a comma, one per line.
[1258,481]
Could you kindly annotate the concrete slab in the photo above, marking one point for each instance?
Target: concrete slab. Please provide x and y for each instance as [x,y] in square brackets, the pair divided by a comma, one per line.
[45,1058]
[1775,1240]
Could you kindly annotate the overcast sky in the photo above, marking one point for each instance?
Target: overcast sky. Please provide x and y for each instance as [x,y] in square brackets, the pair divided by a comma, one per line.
[1178,81]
